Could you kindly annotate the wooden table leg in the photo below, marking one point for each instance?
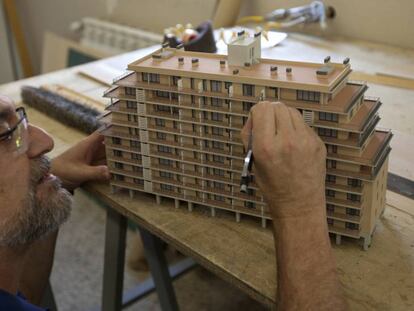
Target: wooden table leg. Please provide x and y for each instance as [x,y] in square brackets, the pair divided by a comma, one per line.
[115,239]
[154,253]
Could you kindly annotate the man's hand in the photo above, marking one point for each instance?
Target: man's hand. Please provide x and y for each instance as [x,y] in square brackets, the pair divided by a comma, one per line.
[289,158]
[83,162]
[289,163]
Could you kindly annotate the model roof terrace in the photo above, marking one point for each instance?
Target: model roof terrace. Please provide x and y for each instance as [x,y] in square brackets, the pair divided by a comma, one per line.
[323,77]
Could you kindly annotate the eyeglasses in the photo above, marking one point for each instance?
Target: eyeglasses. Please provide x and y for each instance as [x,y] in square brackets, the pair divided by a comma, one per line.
[16,137]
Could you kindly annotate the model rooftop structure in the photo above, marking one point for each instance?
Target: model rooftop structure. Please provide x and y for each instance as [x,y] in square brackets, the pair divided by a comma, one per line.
[174,122]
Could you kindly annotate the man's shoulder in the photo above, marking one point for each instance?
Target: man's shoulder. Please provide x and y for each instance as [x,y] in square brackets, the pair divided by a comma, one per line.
[16,302]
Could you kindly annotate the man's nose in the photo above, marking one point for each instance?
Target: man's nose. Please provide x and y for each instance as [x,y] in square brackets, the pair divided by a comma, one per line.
[39,142]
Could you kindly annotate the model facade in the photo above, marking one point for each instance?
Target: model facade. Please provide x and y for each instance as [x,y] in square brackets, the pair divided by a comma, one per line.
[174,122]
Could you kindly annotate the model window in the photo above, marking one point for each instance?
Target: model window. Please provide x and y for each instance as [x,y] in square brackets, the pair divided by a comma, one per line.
[215,116]
[216,102]
[218,185]
[250,191]
[273,92]
[351,226]
[145,77]
[218,172]
[353,197]
[330,208]
[161,108]
[136,156]
[218,159]
[175,80]
[192,83]
[205,115]
[175,124]
[215,86]
[119,165]
[327,132]
[354,182]
[154,78]
[130,91]
[138,181]
[332,148]
[166,162]
[117,153]
[116,140]
[118,177]
[326,116]
[131,104]
[330,193]
[218,145]
[133,131]
[134,144]
[250,205]
[247,106]
[164,149]
[248,90]
[137,169]
[227,85]
[330,178]
[166,175]
[204,85]
[352,211]
[330,221]
[308,96]
[161,136]
[219,198]
[330,164]
[166,187]
[162,94]
[217,131]
[175,111]
[160,122]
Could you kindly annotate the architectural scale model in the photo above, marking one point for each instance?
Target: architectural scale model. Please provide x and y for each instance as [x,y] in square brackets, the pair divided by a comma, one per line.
[173,130]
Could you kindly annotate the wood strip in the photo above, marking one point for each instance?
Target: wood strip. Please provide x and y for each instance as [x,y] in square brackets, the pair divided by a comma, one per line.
[13,19]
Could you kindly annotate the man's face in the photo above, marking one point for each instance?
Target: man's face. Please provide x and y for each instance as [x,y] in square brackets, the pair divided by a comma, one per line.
[32,202]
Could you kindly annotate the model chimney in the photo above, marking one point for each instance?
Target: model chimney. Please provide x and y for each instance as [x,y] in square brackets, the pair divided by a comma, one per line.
[244,50]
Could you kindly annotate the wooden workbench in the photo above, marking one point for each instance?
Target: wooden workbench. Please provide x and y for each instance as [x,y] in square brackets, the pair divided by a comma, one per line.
[242,253]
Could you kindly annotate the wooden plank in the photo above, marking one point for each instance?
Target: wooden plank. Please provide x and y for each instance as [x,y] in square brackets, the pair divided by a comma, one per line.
[243,253]
[16,28]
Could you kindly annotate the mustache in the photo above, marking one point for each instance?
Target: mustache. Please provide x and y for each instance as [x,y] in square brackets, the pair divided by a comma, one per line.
[39,168]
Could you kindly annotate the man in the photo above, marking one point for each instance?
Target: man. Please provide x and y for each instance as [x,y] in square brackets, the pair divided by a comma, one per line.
[290,170]
[33,203]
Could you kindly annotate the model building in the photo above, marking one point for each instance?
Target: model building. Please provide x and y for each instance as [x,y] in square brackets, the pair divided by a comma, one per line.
[174,122]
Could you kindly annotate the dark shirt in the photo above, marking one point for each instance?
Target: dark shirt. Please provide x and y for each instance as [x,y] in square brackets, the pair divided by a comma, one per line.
[9,302]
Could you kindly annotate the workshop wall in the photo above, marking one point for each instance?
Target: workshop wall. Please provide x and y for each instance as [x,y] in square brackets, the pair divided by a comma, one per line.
[375,20]
[382,21]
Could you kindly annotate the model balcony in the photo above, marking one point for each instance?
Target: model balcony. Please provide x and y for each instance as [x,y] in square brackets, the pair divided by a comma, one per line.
[380,140]
[344,217]
[353,233]
[344,188]
[344,203]
[132,174]
[128,185]
[125,160]
[121,107]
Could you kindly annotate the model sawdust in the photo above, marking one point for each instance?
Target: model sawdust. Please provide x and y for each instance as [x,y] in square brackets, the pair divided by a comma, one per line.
[174,122]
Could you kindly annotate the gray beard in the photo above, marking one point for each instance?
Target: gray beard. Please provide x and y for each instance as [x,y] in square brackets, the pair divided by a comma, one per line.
[37,217]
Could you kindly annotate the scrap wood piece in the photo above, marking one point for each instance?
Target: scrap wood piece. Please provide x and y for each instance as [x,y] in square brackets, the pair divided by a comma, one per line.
[68,112]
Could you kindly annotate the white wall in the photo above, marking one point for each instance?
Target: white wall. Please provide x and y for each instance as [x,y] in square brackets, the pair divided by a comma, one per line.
[376,20]
[386,21]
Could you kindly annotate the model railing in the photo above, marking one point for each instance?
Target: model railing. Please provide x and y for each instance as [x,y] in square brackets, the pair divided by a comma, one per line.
[122,76]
